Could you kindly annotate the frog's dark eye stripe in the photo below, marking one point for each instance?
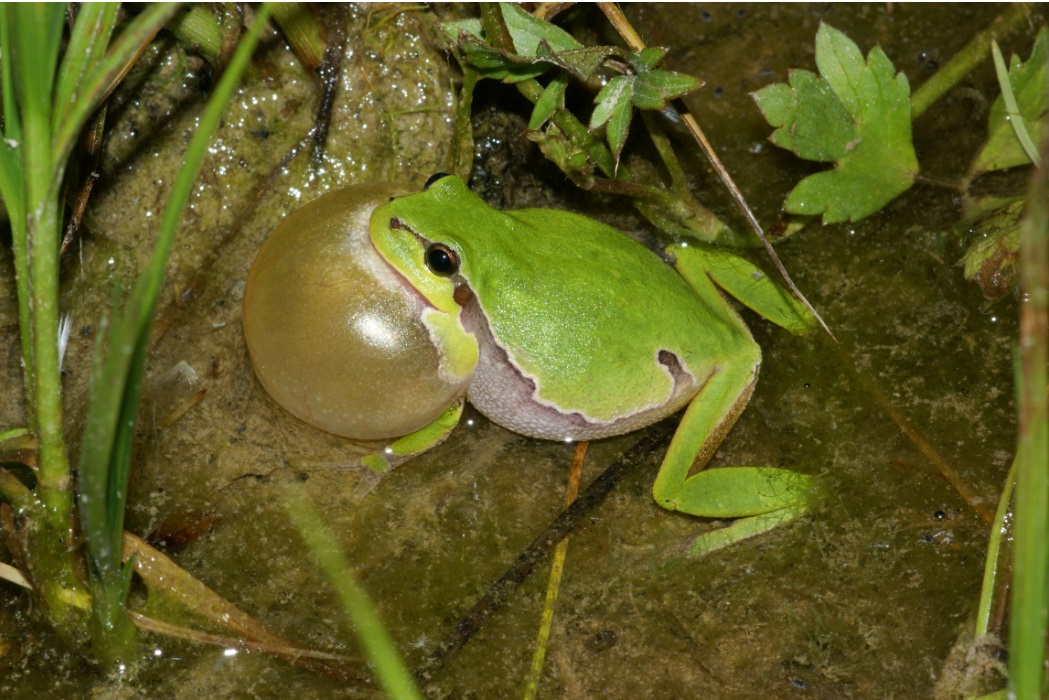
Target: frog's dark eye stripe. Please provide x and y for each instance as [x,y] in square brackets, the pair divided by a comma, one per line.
[434,178]
[442,260]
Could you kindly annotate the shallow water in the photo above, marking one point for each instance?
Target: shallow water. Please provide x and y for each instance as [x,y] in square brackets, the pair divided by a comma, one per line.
[863,599]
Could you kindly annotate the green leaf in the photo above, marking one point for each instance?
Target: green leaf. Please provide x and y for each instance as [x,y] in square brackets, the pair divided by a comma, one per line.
[537,45]
[616,90]
[552,99]
[614,107]
[646,59]
[12,122]
[375,640]
[493,63]
[619,125]
[120,352]
[11,183]
[653,88]
[527,31]
[582,63]
[812,121]
[36,33]
[454,29]
[647,89]
[90,34]
[1028,80]
[104,75]
[856,115]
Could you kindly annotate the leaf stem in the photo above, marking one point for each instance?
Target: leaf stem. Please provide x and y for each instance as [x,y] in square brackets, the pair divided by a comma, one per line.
[39,29]
[965,61]
[665,211]
[14,491]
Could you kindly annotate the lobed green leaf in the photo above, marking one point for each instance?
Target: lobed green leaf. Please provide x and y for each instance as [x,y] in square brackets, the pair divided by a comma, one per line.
[856,115]
[812,121]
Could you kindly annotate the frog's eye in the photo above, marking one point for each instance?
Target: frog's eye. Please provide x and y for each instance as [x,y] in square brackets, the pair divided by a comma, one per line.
[442,260]
[434,178]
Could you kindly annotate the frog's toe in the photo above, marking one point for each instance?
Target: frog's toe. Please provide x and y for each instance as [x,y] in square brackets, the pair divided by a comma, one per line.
[742,529]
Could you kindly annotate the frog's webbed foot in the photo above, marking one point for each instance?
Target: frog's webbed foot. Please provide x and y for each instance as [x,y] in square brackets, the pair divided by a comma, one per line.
[760,498]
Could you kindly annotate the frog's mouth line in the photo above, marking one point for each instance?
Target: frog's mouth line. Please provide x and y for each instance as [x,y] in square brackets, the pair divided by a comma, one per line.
[405,284]
[428,310]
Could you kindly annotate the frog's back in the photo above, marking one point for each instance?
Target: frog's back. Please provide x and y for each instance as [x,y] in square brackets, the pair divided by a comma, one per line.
[586,320]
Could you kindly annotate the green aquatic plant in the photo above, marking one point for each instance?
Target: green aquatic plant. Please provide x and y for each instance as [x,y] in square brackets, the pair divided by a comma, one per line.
[855,114]
[49,95]
[48,98]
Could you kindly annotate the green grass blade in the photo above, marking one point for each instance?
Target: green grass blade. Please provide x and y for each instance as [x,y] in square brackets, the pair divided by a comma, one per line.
[35,47]
[97,83]
[1012,109]
[13,193]
[117,380]
[375,640]
[12,189]
[11,183]
[96,446]
[12,122]
[87,46]
[999,530]
[36,33]
[199,27]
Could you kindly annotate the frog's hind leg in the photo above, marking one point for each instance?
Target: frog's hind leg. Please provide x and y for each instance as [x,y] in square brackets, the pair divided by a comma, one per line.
[760,497]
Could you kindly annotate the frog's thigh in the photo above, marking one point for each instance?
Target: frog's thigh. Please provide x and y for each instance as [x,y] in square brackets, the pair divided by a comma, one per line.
[707,420]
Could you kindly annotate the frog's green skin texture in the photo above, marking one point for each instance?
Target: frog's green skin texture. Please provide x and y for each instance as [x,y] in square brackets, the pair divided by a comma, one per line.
[575,332]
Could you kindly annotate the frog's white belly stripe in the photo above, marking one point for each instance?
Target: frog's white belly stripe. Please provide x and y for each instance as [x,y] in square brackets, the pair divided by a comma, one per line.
[505,395]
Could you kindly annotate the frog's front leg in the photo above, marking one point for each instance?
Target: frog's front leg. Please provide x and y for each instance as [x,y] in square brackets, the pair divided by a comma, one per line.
[420,441]
[760,497]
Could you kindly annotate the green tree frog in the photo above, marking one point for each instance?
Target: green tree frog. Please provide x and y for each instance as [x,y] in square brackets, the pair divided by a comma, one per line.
[562,328]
